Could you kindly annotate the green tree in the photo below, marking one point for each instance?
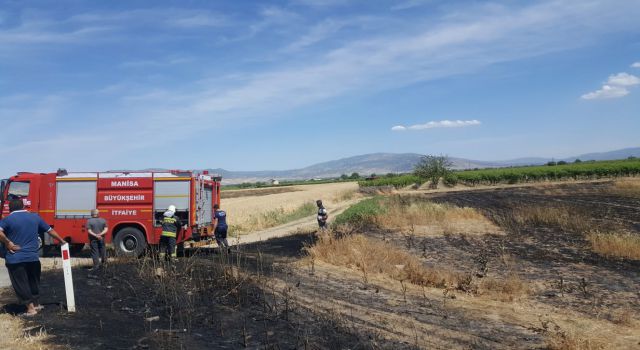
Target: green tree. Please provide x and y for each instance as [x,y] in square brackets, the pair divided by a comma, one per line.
[433,168]
[354,176]
[344,177]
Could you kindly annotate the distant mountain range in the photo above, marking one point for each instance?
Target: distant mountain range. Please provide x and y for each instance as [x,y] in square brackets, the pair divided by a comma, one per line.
[383,163]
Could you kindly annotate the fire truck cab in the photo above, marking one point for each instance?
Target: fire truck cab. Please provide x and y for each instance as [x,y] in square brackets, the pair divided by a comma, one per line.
[132,203]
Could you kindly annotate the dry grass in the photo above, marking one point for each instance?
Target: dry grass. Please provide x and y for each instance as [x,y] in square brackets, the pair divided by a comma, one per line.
[425,217]
[563,217]
[373,257]
[255,192]
[623,317]
[369,256]
[616,245]
[575,340]
[246,214]
[344,196]
[17,335]
[627,187]
[509,289]
[417,216]
[403,211]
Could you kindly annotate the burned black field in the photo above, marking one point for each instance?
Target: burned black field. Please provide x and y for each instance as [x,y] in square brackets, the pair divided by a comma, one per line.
[531,278]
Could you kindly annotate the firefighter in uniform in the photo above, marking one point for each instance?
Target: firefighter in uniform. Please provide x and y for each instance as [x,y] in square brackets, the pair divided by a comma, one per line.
[171,225]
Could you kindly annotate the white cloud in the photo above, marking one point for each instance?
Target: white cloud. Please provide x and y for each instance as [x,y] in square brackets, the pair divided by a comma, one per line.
[623,79]
[172,17]
[38,28]
[607,91]
[410,4]
[167,61]
[29,110]
[317,33]
[438,124]
[199,20]
[615,87]
[636,65]
[328,28]
[320,3]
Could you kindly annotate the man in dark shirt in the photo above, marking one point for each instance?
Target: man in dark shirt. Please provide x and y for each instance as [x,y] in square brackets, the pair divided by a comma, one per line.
[171,225]
[220,227]
[19,233]
[97,228]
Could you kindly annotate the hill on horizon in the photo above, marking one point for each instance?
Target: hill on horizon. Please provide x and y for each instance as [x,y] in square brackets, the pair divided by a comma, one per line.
[383,163]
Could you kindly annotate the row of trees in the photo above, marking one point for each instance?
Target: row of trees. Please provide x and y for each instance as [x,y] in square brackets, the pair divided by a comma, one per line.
[432,169]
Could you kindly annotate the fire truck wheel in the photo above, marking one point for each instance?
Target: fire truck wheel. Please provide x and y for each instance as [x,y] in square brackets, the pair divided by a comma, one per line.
[129,241]
[43,249]
[76,248]
[41,246]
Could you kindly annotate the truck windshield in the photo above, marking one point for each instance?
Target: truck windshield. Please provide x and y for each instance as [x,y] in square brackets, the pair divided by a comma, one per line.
[18,189]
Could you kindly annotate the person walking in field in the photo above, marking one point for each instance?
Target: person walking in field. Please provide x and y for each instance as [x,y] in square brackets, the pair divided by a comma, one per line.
[20,233]
[220,227]
[323,215]
[97,228]
[171,225]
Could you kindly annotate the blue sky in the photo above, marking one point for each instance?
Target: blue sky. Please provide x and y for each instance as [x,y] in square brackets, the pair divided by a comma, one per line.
[259,85]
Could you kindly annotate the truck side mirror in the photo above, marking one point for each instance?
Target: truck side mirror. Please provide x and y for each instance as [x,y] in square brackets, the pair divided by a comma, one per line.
[3,184]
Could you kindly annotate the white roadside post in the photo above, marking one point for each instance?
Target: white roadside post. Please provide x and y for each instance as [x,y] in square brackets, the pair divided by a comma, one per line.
[68,280]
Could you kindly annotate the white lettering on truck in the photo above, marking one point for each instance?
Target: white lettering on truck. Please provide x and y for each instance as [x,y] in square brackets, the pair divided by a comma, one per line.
[123,212]
[125,183]
[124,197]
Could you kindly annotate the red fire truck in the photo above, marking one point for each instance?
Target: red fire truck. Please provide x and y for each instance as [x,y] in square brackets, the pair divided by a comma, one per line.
[131,202]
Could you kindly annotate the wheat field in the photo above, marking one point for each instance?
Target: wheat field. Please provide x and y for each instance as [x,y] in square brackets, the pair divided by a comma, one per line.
[251,213]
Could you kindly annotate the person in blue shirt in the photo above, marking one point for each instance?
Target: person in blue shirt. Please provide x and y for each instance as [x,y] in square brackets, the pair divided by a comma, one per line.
[19,232]
[220,227]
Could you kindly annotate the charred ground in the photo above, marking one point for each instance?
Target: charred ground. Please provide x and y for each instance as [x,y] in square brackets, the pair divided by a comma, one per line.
[272,295]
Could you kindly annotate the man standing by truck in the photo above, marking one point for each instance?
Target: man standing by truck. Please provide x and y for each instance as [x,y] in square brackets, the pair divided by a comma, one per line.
[171,225]
[97,228]
[19,232]
[220,227]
